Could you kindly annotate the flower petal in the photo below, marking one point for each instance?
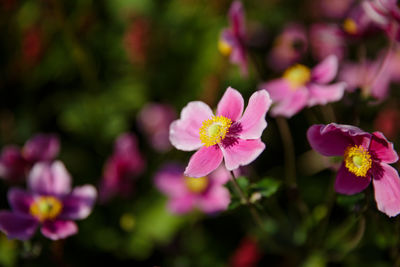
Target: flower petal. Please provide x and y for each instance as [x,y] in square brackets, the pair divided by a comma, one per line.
[169,180]
[41,147]
[231,104]
[19,200]
[17,226]
[220,176]
[323,94]
[347,183]
[242,153]
[184,133]
[387,189]
[382,148]
[278,89]
[49,178]
[291,105]
[79,204]
[253,121]
[325,71]
[59,229]
[204,161]
[181,204]
[216,199]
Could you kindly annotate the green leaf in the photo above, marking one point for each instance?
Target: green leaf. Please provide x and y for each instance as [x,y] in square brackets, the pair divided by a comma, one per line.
[267,186]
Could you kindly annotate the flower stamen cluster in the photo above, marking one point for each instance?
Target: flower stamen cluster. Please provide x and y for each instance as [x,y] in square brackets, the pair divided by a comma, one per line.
[214,130]
[297,76]
[357,160]
[45,208]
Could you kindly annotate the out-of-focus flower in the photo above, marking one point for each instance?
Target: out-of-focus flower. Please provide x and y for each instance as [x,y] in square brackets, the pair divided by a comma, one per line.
[186,193]
[154,119]
[247,254]
[232,41]
[327,39]
[288,47]
[49,203]
[388,122]
[229,135]
[15,163]
[366,157]
[300,87]
[333,9]
[136,40]
[121,168]
[357,22]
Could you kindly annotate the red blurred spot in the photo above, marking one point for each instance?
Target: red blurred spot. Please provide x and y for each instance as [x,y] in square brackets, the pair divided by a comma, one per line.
[247,254]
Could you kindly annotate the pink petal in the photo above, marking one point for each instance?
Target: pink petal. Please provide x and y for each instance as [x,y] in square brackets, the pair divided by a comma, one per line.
[58,229]
[382,148]
[19,200]
[253,121]
[184,133]
[323,94]
[41,147]
[169,180]
[204,161]
[278,89]
[181,204]
[220,176]
[347,183]
[291,105]
[325,71]
[236,16]
[79,204]
[387,189]
[216,199]
[242,153]
[231,104]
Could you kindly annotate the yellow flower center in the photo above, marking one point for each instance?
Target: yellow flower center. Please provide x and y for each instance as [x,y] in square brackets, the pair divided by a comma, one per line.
[350,26]
[214,130]
[45,208]
[297,76]
[196,185]
[224,48]
[357,160]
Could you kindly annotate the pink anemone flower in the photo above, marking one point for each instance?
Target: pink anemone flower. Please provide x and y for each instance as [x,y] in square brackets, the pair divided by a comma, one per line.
[366,157]
[327,39]
[300,87]
[185,193]
[228,135]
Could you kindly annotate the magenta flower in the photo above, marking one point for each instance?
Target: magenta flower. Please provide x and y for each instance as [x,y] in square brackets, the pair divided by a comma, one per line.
[232,41]
[154,119]
[366,158]
[15,163]
[49,203]
[357,22]
[121,168]
[327,39]
[229,135]
[300,87]
[333,9]
[185,193]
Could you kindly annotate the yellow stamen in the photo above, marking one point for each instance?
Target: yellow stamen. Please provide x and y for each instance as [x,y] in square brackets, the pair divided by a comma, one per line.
[214,130]
[196,185]
[350,26]
[357,160]
[297,76]
[45,208]
[224,48]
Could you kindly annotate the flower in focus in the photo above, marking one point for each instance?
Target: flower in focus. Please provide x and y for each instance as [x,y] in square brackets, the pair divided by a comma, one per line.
[154,119]
[247,254]
[327,39]
[15,163]
[121,168]
[288,47]
[232,40]
[365,157]
[49,203]
[300,87]
[228,135]
[207,193]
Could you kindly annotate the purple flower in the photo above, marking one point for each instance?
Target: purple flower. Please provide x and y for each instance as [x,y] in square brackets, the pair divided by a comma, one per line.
[288,47]
[327,39]
[185,193]
[357,22]
[121,168]
[366,158]
[229,135]
[49,203]
[154,119]
[300,87]
[15,163]
[334,9]
[232,39]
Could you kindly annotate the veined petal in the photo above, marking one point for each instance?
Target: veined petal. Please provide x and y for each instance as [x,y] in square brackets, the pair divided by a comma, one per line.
[242,153]
[204,161]
[253,121]
[347,183]
[325,71]
[231,104]
[323,94]
[387,189]
[291,105]
[20,200]
[184,133]
[17,226]
[79,203]
[59,229]
[382,148]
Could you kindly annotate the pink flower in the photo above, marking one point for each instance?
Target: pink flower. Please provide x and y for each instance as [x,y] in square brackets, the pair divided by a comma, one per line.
[229,135]
[327,39]
[232,39]
[154,119]
[186,193]
[121,168]
[334,9]
[357,22]
[366,158]
[300,87]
